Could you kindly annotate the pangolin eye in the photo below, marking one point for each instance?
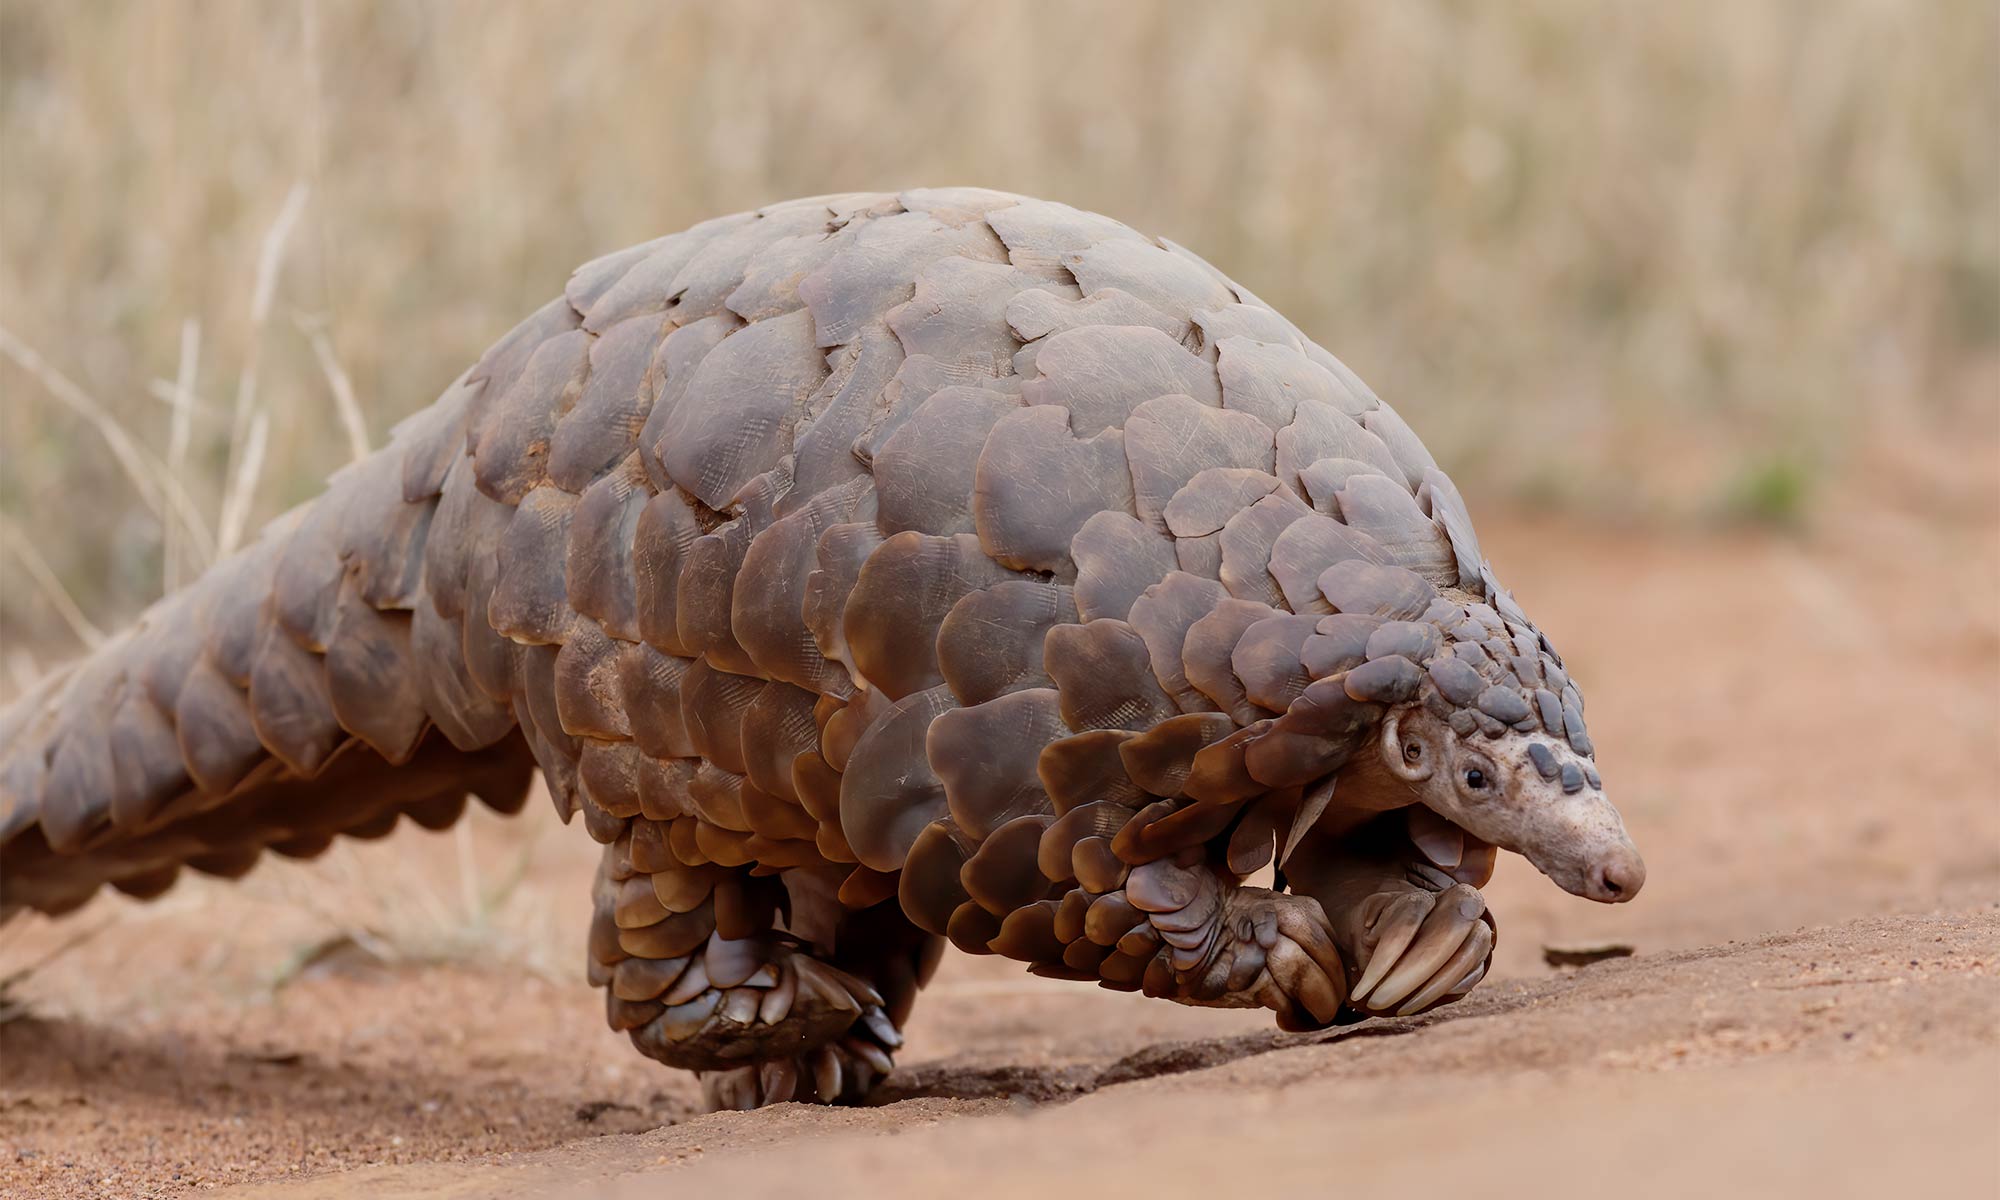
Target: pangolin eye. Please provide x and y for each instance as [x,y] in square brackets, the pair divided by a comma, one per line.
[1475,779]
[1413,752]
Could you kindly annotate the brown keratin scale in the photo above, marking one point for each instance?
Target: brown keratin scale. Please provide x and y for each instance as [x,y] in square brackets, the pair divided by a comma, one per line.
[873,572]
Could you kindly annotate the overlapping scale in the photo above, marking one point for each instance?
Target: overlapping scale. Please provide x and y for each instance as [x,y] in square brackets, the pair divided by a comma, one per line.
[991,642]
[986,757]
[1104,676]
[1037,483]
[901,597]
[1117,559]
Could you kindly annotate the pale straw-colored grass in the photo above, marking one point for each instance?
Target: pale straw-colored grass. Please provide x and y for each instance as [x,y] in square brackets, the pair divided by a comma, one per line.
[1656,260]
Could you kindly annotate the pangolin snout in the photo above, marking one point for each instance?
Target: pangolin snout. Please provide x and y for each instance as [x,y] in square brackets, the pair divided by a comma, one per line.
[1616,876]
[1579,842]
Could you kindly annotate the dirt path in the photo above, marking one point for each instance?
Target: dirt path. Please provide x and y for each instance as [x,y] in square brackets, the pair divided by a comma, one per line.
[1822,1062]
[1800,733]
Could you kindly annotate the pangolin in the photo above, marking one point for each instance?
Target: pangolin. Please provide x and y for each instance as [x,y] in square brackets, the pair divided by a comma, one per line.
[873,572]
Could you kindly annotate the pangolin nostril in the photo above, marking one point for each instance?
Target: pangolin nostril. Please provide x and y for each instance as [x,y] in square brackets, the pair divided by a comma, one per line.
[1619,880]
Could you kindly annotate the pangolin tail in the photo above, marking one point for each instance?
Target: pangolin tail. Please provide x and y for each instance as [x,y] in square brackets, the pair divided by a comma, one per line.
[312,684]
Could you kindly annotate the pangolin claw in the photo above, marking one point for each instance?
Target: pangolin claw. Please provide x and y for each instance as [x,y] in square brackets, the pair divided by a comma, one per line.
[1419,947]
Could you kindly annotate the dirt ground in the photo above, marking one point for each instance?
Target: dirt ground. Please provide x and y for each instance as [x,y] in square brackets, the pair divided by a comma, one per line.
[1800,731]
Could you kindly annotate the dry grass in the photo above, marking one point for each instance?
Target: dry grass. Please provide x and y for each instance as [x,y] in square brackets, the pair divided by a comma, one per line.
[1650,258]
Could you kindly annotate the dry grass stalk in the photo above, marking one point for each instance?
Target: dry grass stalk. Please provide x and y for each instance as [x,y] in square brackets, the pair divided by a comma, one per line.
[250,427]
[179,429]
[351,420]
[51,587]
[143,473]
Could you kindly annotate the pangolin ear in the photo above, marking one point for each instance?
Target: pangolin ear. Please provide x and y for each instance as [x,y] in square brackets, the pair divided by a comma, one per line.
[1398,739]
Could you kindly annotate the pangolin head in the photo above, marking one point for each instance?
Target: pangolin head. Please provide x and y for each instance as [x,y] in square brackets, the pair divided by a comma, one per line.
[1521,791]
[1491,738]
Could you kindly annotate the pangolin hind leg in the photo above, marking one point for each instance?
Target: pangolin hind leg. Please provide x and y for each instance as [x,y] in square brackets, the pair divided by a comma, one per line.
[764,985]
[864,989]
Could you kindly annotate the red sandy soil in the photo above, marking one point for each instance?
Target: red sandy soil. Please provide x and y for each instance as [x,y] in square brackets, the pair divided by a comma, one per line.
[1800,731]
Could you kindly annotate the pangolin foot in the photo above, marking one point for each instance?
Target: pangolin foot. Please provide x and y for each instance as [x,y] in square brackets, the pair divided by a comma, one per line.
[1230,946]
[1416,947]
[762,1022]
[840,1072]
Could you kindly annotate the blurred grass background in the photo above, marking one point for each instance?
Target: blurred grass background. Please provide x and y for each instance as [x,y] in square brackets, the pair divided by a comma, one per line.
[1657,262]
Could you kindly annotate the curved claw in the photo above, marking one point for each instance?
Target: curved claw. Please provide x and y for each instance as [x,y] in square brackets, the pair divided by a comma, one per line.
[1471,957]
[1453,913]
[1305,961]
[742,1089]
[1397,921]
[1421,948]
[838,1072]
[783,1002]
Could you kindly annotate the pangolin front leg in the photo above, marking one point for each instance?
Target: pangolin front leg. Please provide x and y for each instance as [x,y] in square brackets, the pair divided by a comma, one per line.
[1230,946]
[1402,893]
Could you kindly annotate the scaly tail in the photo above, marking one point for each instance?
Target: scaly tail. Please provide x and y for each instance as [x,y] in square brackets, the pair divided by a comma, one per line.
[335,675]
